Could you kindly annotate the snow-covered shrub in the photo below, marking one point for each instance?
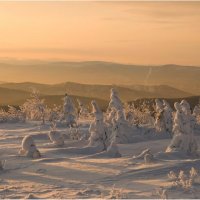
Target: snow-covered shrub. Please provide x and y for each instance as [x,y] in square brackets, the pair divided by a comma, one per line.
[117,193]
[12,115]
[172,176]
[35,108]
[140,115]
[162,193]
[74,133]
[184,181]
[55,113]
[55,136]
[193,175]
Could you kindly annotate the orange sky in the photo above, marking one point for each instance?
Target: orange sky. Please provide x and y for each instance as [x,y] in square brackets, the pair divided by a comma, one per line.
[130,32]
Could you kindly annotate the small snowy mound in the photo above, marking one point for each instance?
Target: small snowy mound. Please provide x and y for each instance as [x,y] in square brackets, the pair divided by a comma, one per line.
[145,155]
[148,158]
[56,137]
[142,154]
[29,148]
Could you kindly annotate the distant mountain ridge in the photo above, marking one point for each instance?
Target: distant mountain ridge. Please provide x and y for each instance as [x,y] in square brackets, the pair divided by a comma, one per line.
[185,78]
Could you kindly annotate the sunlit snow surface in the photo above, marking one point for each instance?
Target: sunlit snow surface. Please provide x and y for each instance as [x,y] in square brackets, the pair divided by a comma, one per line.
[74,171]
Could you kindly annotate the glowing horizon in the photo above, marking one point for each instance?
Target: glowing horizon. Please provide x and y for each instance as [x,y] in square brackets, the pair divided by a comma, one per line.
[123,32]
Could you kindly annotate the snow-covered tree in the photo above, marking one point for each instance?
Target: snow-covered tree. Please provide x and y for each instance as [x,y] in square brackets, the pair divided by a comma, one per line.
[115,101]
[196,111]
[69,111]
[83,111]
[189,120]
[110,116]
[168,117]
[96,111]
[121,131]
[159,122]
[183,139]
[115,105]
[35,108]
[29,148]
[129,113]
[97,130]
[196,115]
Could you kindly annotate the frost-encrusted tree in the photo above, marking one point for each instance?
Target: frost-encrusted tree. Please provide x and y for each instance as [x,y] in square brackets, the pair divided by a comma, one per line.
[159,122]
[115,104]
[35,108]
[55,114]
[69,111]
[29,148]
[168,117]
[196,111]
[83,111]
[96,111]
[196,115]
[183,139]
[110,115]
[115,101]
[121,132]
[55,136]
[189,120]
[97,130]
[129,113]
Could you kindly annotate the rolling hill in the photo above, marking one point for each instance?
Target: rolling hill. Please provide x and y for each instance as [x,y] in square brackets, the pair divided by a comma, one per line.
[127,93]
[18,97]
[12,96]
[185,78]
